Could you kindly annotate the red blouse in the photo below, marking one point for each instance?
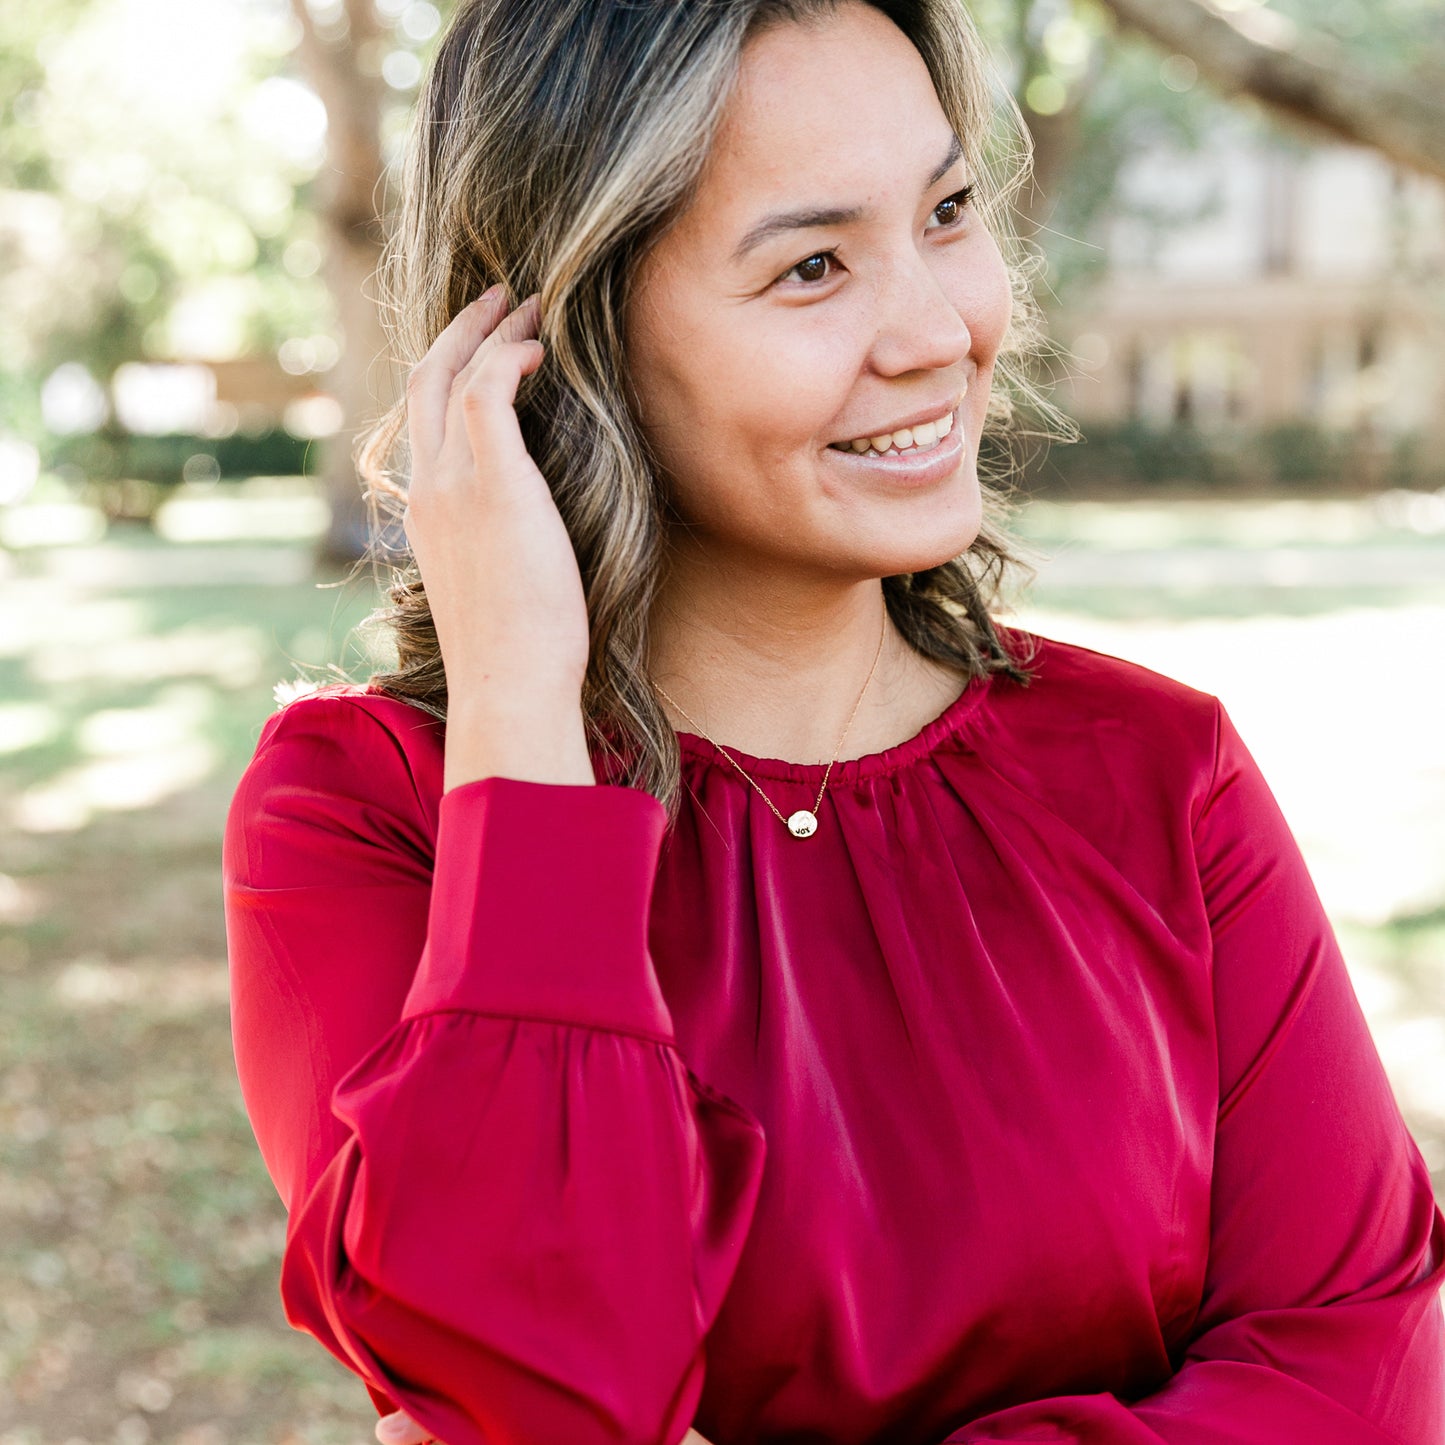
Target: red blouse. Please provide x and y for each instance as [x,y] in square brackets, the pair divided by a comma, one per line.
[1027,1100]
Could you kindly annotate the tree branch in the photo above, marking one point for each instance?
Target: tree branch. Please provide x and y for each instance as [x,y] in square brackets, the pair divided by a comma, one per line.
[347,200]
[1299,73]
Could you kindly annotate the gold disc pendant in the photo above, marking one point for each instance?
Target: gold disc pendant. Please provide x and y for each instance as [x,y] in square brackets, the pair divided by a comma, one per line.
[802,824]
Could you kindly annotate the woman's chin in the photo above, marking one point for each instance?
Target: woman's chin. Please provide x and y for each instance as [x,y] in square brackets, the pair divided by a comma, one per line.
[928,535]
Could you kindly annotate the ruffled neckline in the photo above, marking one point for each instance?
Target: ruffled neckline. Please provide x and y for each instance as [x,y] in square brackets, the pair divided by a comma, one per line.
[848,770]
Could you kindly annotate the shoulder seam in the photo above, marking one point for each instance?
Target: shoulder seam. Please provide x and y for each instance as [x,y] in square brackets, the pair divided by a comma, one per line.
[1127,663]
[356,706]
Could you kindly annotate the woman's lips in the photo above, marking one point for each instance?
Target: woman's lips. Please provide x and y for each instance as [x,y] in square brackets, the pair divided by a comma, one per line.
[912,466]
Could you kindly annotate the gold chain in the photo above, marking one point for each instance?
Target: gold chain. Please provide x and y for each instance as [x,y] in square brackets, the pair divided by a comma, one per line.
[882,632]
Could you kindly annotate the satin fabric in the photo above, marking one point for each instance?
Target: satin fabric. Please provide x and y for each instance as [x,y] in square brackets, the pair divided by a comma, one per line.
[1027,1100]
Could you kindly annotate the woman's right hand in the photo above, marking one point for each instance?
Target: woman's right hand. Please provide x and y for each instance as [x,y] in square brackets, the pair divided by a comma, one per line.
[401,1429]
[500,572]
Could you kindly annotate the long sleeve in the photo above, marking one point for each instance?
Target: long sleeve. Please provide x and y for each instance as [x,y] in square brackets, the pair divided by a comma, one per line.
[1320,1319]
[513,1210]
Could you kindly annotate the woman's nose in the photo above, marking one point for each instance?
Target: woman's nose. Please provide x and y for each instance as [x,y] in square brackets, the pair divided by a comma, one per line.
[919,327]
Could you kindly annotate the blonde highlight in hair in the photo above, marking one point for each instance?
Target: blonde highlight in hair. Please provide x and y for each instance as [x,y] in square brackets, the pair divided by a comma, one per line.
[553,144]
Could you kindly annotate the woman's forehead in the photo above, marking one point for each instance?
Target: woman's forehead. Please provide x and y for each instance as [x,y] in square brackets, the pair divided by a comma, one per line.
[841,102]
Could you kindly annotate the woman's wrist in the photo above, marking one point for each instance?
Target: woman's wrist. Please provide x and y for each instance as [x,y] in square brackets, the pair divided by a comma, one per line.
[533,737]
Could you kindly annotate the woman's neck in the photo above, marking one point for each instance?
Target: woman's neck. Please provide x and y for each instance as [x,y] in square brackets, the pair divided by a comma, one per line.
[775,671]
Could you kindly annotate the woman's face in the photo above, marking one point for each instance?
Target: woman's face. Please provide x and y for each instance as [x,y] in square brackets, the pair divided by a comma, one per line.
[829,283]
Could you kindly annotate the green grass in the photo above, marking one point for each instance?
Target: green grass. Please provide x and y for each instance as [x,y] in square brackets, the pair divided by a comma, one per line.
[138,1286]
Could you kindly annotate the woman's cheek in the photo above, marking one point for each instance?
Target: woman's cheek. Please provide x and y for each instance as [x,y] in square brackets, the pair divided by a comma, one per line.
[826,367]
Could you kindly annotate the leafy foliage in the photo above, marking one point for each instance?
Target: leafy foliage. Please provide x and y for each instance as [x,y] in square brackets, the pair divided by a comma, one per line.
[157,164]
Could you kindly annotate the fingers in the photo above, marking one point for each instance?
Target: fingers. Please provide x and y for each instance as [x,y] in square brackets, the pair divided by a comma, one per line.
[482,415]
[519,325]
[429,384]
[400,1429]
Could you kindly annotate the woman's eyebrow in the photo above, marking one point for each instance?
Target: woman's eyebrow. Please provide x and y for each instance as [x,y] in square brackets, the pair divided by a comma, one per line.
[779,221]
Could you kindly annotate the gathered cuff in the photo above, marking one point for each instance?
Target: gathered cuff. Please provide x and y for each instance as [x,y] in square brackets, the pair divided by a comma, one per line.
[540,903]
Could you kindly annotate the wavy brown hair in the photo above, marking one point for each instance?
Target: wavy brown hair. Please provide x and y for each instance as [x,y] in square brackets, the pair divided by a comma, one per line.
[553,143]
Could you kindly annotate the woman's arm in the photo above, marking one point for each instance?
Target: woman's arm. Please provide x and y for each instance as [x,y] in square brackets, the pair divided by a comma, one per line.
[1320,1321]
[514,1211]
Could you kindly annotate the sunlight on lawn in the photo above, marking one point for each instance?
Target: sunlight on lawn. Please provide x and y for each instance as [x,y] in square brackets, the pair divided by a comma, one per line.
[27,725]
[135,758]
[173,988]
[230,655]
[138,779]
[262,508]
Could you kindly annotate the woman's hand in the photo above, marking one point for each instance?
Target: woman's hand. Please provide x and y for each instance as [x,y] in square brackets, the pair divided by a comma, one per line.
[498,565]
[401,1429]
[500,573]
[499,569]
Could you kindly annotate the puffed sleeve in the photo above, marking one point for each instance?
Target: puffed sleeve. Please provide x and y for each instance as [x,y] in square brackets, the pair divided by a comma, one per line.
[1320,1320]
[512,1208]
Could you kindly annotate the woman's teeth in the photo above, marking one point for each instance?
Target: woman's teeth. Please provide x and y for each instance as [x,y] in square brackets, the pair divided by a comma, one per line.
[918,438]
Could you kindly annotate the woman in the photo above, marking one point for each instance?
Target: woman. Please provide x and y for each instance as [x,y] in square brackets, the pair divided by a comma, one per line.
[781,1000]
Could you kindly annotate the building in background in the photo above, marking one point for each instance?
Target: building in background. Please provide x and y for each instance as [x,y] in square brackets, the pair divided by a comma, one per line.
[1311,292]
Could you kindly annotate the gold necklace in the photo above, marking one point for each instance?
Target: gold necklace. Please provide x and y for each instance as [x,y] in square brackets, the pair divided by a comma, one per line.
[803,823]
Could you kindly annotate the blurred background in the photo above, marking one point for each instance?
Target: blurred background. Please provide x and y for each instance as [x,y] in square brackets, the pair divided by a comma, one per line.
[1243,211]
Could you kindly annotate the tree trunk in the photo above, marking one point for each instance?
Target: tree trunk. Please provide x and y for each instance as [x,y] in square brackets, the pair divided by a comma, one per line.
[1300,74]
[364,380]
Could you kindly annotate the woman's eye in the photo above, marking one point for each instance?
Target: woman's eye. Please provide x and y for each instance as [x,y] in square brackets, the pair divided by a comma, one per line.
[813,269]
[954,206]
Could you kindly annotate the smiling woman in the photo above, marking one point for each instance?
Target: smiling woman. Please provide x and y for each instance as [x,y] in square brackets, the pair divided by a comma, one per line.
[753,369]
[955,1052]
[707,236]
